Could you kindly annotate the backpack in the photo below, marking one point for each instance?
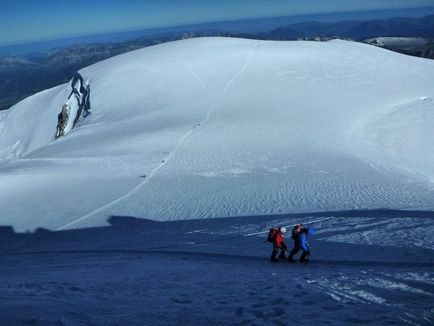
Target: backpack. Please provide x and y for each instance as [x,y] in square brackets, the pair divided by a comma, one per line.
[296,231]
[272,234]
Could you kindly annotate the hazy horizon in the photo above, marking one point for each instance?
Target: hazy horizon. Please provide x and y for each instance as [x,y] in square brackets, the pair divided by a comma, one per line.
[52,20]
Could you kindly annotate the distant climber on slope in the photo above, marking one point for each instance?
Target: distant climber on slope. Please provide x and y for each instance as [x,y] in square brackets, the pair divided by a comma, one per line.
[299,235]
[62,121]
[275,235]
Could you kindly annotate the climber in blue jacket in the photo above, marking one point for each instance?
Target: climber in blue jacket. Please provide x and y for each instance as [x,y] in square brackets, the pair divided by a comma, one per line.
[300,243]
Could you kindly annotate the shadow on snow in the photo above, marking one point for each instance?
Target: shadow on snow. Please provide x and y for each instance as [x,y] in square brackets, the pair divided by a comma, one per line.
[225,239]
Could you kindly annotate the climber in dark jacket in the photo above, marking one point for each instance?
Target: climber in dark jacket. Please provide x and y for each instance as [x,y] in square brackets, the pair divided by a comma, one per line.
[300,243]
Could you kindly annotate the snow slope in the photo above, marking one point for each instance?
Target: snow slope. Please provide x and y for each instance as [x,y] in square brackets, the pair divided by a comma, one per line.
[366,268]
[217,127]
[220,128]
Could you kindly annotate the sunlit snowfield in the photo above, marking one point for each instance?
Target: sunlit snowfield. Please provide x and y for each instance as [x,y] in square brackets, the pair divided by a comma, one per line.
[219,127]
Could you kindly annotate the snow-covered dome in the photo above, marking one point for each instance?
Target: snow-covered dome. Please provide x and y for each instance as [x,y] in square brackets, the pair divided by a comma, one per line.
[216,127]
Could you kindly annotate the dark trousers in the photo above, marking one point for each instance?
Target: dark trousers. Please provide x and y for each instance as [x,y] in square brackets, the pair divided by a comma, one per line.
[297,249]
[282,249]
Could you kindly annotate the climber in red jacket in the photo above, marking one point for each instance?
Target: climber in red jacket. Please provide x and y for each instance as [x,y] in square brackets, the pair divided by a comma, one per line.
[276,237]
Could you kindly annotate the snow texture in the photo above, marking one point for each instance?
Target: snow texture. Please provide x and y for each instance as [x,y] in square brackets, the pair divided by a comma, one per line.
[117,222]
[217,272]
[217,127]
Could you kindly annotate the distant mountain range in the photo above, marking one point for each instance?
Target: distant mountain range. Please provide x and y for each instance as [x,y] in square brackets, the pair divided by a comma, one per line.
[357,30]
[252,26]
[24,75]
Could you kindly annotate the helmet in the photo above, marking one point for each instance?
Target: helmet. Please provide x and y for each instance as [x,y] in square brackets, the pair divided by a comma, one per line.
[282,229]
[297,228]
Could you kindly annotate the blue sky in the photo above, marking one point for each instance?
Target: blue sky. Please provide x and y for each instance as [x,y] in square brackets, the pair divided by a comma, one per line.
[33,20]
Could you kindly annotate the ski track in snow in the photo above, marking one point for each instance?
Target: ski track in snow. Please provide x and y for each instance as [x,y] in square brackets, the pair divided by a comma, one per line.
[198,78]
[139,186]
[244,67]
[248,61]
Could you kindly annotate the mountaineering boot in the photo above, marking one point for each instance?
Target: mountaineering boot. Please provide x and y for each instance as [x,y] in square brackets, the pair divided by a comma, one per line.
[291,254]
[273,256]
[303,258]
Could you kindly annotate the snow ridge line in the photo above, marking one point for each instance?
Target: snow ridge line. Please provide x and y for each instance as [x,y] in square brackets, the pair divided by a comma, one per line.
[287,226]
[178,145]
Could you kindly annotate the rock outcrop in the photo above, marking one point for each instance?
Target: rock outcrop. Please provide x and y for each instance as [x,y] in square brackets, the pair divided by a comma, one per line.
[77,106]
